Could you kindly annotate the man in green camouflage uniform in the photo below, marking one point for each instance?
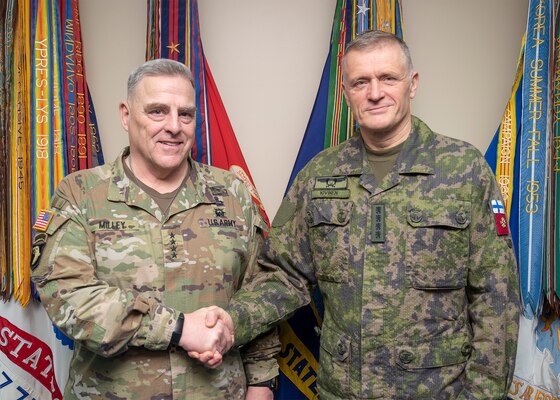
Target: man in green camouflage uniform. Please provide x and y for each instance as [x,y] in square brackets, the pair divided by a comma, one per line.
[132,245]
[396,228]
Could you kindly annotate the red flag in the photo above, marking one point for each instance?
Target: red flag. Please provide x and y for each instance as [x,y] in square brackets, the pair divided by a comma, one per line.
[174,33]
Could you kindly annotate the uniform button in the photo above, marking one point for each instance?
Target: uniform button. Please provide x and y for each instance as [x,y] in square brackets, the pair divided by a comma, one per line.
[309,217]
[466,349]
[461,217]
[341,347]
[406,357]
[415,215]
[509,243]
[341,216]
[317,330]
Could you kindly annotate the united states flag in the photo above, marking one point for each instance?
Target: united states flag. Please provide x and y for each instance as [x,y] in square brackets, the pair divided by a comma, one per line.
[43,220]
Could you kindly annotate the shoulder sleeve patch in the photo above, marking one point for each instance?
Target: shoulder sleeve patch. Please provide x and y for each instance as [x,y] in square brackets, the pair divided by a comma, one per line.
[42,236]
[37,249]
[58,202]
[43,220]
[500,217]
[286,212]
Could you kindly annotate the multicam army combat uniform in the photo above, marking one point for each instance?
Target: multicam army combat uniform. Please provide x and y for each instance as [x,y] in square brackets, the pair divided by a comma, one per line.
[114,274]
[420,292]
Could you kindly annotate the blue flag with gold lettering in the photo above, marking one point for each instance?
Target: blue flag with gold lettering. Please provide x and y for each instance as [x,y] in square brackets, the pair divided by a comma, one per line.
[523,155]
[520,153]
[330,123]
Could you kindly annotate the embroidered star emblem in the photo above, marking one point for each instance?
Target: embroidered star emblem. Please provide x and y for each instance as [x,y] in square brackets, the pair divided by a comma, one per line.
[362,9]
[173,47]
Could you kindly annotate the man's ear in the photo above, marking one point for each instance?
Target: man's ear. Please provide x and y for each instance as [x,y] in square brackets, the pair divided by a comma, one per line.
[414,84]
[344,91]
[124,111]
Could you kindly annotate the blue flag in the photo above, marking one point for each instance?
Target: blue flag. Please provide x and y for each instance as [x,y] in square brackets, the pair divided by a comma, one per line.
[522,158]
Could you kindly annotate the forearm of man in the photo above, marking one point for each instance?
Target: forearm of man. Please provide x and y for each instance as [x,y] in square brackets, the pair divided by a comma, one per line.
[120,322]
[261,367]
[268,299]
[259,358]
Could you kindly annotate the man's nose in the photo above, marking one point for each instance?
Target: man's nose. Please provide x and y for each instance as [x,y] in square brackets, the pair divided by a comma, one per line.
[375,90]
[173,124]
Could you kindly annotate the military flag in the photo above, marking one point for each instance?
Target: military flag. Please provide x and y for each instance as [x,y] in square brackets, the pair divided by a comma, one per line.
[552,277]
[6,42]
[47,130]
[174,33]
[330,123]
[523,157]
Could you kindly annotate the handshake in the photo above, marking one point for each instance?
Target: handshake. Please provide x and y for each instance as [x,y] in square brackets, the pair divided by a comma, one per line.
[207,335]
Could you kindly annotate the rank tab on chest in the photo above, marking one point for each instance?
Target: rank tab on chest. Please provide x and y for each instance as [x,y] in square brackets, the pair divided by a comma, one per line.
[378,223]
[172,244]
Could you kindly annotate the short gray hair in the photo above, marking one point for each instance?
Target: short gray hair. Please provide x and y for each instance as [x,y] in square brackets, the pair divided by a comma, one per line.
[157,67]
[372,39]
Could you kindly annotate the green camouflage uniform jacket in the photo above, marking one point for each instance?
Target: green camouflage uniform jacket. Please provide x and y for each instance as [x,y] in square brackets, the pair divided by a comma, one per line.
[420,292]
[114,274]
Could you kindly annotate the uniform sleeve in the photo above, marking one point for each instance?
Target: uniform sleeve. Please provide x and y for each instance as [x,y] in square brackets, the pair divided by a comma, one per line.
[284,273]
[493,296]
[105,319]
[258,356]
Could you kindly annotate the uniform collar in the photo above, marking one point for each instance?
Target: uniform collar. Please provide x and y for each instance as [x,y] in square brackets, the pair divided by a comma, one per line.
[195,190]
[417,155]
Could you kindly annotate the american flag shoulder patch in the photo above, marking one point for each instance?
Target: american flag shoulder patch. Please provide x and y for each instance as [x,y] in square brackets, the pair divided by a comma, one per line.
[43,220]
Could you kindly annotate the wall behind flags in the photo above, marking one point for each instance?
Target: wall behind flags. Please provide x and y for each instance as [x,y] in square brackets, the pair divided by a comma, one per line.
[267,58]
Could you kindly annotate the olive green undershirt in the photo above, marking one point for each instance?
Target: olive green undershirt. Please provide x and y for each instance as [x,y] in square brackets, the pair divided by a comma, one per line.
[382,161]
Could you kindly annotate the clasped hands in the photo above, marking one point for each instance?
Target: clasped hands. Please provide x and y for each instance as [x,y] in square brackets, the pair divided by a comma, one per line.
[207,335]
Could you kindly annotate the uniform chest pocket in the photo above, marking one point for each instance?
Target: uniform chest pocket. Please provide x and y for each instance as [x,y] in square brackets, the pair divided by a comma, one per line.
[329,233]
[438,243]
[122,250]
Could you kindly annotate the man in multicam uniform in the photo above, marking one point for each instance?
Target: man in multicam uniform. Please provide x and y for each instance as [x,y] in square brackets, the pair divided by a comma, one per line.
[132,245]
[396,227]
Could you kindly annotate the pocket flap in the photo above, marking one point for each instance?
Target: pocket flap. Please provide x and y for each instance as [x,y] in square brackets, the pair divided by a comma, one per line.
[437,352]
[335,343]
[328,212]
[447,213]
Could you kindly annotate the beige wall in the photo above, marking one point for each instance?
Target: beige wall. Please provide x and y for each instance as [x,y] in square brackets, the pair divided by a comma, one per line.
[267,58]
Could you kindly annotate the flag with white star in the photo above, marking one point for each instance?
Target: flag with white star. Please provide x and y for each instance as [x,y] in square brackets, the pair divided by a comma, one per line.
[174,33]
